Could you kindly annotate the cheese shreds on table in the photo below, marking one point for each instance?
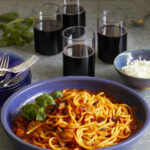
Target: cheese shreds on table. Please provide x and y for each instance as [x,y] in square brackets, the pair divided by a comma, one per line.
[137,68]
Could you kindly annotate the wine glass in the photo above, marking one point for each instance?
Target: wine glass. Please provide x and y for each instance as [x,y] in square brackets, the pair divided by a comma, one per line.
[78,51]
[73,13]
[111,35]
[47,29]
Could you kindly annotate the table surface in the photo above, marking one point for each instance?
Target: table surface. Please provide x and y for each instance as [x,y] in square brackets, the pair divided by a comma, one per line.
[51,66]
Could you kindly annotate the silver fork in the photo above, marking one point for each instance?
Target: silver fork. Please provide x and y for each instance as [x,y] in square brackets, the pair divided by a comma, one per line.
[22,66]
[4,62]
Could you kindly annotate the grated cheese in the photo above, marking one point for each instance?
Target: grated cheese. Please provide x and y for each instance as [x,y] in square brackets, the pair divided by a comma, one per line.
[137,68]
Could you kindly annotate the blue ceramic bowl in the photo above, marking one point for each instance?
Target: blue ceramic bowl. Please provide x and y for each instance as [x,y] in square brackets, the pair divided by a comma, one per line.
[121,61]
[27,94]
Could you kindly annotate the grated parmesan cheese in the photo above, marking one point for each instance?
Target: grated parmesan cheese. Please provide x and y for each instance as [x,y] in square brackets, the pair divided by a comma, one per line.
[137,68]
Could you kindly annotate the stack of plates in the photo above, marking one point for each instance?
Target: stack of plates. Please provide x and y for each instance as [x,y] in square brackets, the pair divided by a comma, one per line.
[20,81]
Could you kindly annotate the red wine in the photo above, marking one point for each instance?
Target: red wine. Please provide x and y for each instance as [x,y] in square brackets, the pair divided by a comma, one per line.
[47,37]
[73,15]
[112,40]
[78,60]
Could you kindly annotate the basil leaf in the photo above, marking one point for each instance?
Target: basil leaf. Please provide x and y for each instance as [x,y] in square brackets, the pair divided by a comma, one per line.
[30,111]
[3,27]
[41,115]
[15,34]
[3,42]
[15,30]
[10,16]
[27,36]
[21,26]
[56,94]
[10,41]
[28,21]
[44,100]
[19,42]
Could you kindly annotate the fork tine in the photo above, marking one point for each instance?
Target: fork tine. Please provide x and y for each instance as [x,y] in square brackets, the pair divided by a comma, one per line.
[26,61]
[29,63]
[26,64]
[7,62]
[1,65]
[4,64]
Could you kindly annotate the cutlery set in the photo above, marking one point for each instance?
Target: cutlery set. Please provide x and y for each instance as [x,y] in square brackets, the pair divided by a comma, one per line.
[4,67]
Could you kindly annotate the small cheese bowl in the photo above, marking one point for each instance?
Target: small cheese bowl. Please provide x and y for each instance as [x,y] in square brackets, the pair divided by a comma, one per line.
[129,56]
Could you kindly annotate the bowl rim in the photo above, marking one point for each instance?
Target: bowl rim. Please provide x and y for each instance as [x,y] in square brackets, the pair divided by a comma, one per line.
[131,139]
[126,52]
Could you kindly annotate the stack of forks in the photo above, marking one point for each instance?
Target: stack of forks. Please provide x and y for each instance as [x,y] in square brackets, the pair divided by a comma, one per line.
[4,66]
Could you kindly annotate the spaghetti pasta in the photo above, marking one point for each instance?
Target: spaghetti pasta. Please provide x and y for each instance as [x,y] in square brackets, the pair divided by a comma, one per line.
[80,120]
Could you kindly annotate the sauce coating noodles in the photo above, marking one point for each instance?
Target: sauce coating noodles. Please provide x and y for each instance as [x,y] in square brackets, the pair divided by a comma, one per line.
[80,120]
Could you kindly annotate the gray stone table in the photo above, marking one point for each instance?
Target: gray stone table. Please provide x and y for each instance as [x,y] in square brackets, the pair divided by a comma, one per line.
[51,66]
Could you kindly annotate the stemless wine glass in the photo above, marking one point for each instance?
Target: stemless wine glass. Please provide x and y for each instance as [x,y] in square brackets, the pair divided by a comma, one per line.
[47,29]
[78,51]
[73,13]
[111,35]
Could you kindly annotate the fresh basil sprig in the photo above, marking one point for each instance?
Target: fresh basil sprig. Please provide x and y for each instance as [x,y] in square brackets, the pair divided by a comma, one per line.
[37,111]
[15,30]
